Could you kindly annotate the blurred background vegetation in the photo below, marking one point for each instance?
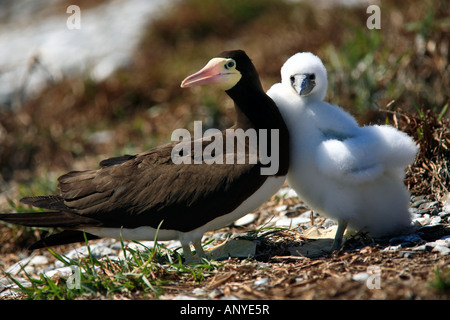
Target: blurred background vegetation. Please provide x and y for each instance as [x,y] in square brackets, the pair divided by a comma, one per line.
[76,122]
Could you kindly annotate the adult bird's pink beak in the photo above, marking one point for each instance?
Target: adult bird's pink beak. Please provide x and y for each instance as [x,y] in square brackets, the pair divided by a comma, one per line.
[213,73]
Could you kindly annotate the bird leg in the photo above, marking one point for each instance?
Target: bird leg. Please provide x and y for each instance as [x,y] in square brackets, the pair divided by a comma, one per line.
[199,253]
[189,258]
[199,249]
[342,225]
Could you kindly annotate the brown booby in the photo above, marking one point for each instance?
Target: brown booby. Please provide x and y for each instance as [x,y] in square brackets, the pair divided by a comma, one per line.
[135,196]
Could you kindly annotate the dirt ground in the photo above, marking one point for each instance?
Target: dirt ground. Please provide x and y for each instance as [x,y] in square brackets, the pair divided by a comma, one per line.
[277,274]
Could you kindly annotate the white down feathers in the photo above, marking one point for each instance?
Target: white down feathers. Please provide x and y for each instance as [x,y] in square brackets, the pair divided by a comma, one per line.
[347,172]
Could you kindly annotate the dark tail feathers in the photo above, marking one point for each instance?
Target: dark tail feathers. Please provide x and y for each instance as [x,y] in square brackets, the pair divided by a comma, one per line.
[47,219]
[65,237]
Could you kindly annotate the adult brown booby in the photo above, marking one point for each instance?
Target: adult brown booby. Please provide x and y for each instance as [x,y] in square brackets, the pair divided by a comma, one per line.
[130,196]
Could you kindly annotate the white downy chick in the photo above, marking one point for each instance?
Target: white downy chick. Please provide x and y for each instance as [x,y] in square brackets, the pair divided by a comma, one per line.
[349,173]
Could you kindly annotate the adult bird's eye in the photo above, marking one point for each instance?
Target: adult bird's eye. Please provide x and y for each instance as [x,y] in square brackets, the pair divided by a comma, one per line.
[229,65]
[312,76]
[292,79]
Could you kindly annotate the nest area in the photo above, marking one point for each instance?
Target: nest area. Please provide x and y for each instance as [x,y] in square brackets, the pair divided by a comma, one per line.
[429,175]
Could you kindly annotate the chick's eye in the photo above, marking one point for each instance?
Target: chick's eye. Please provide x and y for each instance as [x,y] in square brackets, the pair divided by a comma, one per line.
[312,76]
[292,78]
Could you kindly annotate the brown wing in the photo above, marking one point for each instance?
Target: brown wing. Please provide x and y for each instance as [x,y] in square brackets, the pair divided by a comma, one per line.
[145,189]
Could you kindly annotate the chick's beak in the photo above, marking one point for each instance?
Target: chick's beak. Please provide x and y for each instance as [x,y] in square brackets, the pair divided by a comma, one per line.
[302,84]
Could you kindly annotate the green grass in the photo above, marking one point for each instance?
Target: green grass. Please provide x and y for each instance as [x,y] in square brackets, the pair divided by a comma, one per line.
[141,274]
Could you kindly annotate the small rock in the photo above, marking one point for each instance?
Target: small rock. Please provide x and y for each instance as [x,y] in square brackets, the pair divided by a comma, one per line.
[424,247]
[418,203]
[38,261]
[423,220]
[261,282]
[444,214]
[292,222]
[218,236]
[442,250]
[408,254]
[434,221]
[329,223]
[416,217]
[7,287]
[61,272]
[435,212]
[418,197]
[238,248]
[444,242]
[287,193]
[281,208]
[97,251]
[117,245]
[361,276]
[428,205]
[16,267]
[28,264]
[307,214]
[141,245]
[393,248]
[406,240]
[7,282]
[214,294]
[198,291]
[245,220]
[113,258]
